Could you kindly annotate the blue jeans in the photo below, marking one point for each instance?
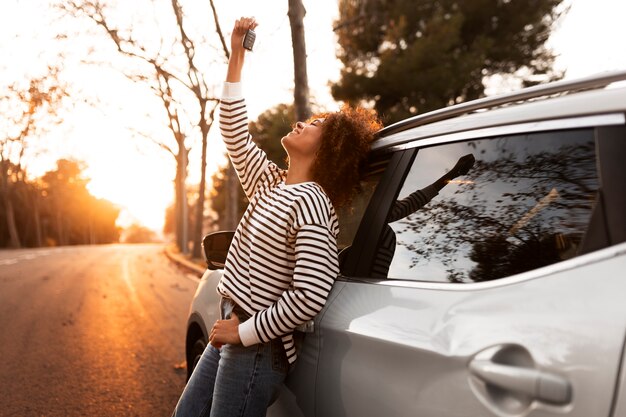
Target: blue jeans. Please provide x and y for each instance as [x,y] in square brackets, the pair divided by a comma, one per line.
[234,381]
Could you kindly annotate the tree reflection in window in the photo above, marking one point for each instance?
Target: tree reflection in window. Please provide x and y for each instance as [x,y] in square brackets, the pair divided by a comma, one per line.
[525,203]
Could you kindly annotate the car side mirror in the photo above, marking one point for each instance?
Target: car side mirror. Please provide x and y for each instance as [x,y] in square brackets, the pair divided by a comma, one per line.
[216,247]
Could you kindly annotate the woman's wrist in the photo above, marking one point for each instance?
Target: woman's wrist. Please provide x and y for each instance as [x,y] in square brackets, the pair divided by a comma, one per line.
[235,66]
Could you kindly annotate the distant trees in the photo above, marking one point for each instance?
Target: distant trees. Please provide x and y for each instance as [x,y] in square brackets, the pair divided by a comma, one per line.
[29,107]
[270,127]
[137,233]
[56,209]
[412,56]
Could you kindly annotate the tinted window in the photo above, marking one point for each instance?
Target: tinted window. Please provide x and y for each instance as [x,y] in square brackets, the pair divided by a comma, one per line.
[524,203]
[350,216]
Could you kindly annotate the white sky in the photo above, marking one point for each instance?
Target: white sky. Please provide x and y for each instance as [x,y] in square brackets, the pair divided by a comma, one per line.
[138,176]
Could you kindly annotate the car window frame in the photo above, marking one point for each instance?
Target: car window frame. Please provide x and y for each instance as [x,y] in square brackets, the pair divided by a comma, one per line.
[360,261]
[373,220]
[611,145]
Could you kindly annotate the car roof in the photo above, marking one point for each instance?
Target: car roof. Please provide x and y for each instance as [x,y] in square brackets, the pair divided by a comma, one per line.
[534,104]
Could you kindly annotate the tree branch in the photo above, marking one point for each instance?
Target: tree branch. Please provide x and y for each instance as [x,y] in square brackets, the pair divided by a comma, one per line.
[218,28]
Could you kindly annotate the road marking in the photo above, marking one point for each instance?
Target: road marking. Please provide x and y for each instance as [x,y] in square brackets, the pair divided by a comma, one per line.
[131,287]
[26,257]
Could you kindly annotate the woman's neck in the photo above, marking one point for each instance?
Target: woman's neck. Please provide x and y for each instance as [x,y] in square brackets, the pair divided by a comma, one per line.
[298,173]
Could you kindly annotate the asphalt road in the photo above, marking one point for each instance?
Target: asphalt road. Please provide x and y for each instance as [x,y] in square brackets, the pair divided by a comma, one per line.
[92,330]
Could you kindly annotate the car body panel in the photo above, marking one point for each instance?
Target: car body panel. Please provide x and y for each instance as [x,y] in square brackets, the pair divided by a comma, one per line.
[394,350]
[619,408]
[204,308]
[298,395]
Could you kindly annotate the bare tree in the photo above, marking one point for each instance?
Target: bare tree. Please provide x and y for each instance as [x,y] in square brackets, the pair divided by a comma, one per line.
[167,74]
[28,109]
[301,88]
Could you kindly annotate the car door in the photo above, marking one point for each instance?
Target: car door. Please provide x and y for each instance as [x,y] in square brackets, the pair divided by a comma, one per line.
[504,294]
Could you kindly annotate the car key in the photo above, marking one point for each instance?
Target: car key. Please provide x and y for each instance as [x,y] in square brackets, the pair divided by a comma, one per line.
[248,40]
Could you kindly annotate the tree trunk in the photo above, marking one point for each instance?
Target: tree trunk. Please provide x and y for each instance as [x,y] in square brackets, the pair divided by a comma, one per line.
[13,233]
[233,197]
[301,89]
[178,208]
[92,232]
[185,205]
[37,220]
[60,227]
[182,224]
[197,233]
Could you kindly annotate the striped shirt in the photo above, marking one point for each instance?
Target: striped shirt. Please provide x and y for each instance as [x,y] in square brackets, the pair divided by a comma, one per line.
[282,262]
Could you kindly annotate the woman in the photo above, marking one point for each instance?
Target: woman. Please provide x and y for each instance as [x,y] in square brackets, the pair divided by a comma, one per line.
[283,259]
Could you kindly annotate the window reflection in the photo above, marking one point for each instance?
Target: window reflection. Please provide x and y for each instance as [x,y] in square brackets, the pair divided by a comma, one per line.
[350,215]
[525,203]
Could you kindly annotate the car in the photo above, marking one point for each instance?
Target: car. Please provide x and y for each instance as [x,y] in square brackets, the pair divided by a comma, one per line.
[503,295]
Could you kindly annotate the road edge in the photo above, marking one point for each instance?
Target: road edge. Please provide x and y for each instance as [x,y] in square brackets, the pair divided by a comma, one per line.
[180,260]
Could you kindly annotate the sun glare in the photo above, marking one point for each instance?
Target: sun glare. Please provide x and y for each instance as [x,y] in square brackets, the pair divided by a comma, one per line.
[136,176]
[141,195]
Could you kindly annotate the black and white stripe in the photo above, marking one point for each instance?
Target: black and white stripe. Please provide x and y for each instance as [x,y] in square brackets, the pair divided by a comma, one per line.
[283,259]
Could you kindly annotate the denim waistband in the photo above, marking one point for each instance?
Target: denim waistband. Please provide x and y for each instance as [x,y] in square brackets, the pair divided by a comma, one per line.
[228,306]
[279,357]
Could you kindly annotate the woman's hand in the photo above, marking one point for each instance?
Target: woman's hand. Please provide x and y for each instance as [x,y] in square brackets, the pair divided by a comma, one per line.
[225,332]
[238,52]
[239,32]
[463,165]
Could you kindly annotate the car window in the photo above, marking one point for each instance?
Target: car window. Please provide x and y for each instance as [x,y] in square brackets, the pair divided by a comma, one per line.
[524,202]
[350,215]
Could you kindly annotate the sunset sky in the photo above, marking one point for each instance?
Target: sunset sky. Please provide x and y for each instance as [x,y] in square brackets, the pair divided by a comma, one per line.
[127,169]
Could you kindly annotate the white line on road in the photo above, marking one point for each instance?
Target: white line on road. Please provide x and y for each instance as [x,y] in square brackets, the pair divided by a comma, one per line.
[24,257]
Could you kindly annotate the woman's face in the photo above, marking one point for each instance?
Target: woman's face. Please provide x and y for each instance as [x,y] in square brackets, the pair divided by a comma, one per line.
[304,140]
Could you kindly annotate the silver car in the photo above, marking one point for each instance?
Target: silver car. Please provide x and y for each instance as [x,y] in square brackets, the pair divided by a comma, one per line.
[503,295]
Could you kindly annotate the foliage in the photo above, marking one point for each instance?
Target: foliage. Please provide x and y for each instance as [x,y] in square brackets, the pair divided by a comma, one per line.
[413,56]
[192,216]
[29,107]
[137,233]
[270,127]
[57,209]
[218,196]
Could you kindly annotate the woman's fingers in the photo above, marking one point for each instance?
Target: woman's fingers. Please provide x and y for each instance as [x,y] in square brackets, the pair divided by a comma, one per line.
[225,331]
[245,23]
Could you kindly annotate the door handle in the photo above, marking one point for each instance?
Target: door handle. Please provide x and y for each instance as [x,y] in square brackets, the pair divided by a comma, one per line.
[537,384]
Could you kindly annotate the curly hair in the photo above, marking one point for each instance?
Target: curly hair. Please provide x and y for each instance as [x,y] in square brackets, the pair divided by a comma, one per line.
[341,158]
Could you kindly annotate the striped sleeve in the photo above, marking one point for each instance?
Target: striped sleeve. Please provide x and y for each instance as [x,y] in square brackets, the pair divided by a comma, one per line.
[415,201]
[248,159]
[316,267]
